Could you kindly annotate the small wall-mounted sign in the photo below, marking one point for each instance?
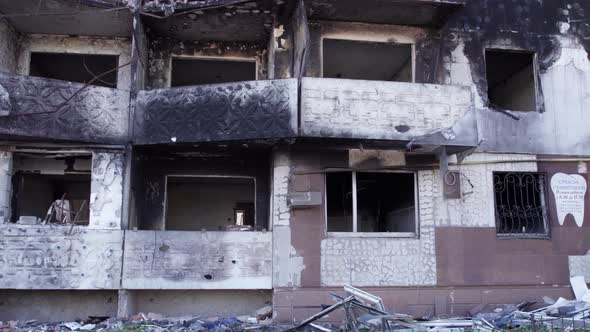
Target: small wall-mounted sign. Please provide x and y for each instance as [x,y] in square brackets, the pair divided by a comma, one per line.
[569,191]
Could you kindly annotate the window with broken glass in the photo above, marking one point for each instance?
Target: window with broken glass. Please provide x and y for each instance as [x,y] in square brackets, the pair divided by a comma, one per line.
[371,202]
[521,204]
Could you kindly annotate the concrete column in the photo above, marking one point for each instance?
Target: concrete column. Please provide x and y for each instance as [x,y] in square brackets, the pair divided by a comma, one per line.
[6,161]
[106,190]
[287,265]
[126,304]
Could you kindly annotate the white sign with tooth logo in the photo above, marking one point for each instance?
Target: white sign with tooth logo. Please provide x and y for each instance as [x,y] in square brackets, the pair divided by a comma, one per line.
[569,191]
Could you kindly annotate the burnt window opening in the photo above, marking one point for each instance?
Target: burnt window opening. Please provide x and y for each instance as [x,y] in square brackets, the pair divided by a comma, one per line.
[371,202]
[195,71]
[51,190]
[521,204]
[364,60]
[210,203]
[80,68]
[511,80]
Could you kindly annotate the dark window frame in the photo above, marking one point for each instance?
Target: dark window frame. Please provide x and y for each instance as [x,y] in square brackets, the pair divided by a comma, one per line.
[354,232]
[412,46]
[523,212]
[539,100]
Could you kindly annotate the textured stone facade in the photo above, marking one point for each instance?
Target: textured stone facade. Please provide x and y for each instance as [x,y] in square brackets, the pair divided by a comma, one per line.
[381,110]
[386,261]
[106,190]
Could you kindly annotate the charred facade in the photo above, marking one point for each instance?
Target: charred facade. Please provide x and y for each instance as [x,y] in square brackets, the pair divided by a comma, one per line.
[255,152]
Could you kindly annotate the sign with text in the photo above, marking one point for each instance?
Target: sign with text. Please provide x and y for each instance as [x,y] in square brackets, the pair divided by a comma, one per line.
[569,191]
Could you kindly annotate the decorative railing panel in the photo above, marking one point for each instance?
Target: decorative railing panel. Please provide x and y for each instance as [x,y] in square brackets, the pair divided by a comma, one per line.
[435,114]
[219,112]
[36,107]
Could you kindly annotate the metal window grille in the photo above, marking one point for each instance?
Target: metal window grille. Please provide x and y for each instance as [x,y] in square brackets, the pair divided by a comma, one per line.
[521,204]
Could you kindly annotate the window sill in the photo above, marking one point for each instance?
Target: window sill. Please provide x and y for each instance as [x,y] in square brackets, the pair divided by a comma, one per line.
[522,236]
[403,235]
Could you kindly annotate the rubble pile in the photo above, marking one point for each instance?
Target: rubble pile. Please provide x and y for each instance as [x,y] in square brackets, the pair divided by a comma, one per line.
[261,320]
[363,312]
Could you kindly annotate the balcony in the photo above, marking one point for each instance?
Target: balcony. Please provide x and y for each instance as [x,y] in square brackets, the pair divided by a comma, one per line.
[218,112]
[421,113]
[40,108]
[52,257]
[426,13]
[197,260]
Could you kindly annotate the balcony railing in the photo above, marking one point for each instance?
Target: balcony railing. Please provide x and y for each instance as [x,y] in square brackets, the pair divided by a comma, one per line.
[425,113]
[197,260]
[219,112]
[33,107]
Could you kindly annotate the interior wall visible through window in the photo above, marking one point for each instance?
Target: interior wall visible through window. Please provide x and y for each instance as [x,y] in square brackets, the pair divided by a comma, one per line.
[196,71]
[210,203]
[511,80]
[51,189]
[80,68]
[366,60]
[371,202]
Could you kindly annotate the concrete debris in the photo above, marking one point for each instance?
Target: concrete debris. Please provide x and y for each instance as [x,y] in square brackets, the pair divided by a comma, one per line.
[151,322]
[364,312]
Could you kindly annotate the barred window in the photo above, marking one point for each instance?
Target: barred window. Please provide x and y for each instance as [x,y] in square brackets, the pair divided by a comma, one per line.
[521,204]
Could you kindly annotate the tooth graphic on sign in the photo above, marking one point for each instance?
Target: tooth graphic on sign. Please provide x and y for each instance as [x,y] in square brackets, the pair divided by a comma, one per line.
[569,191]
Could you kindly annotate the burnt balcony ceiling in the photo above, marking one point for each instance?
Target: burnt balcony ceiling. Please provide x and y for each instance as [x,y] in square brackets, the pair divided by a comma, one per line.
[217,20]
[39,108]
[69,17]
[426,13]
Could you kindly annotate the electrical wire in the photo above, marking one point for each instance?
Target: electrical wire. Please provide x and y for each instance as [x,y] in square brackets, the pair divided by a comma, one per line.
[93,75]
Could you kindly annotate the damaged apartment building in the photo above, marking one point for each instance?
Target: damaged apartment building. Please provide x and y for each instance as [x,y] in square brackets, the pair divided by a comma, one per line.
[212,157]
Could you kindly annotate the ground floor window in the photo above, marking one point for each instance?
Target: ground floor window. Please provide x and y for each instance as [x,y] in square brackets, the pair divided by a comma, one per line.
[521,204]
[371,202]
[51,189]
[210,203]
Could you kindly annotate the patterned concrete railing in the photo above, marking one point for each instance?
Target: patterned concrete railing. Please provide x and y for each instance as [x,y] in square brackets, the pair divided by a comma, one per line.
[229,111]
[34,107]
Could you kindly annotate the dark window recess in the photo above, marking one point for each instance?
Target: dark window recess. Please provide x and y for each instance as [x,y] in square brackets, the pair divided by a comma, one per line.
[210,203]
[81,68]
[339,201]
[521,204]
[511,80]
[367,60]
[34,194]
[210,71]
[385,202]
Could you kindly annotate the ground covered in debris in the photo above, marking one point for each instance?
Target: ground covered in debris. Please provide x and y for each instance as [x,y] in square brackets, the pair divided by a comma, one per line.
[153,324]
[363,312]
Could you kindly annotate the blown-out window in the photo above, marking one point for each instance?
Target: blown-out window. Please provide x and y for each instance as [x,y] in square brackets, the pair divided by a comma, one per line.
[364,60]
[511,80]
[210,203]
[371,202]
